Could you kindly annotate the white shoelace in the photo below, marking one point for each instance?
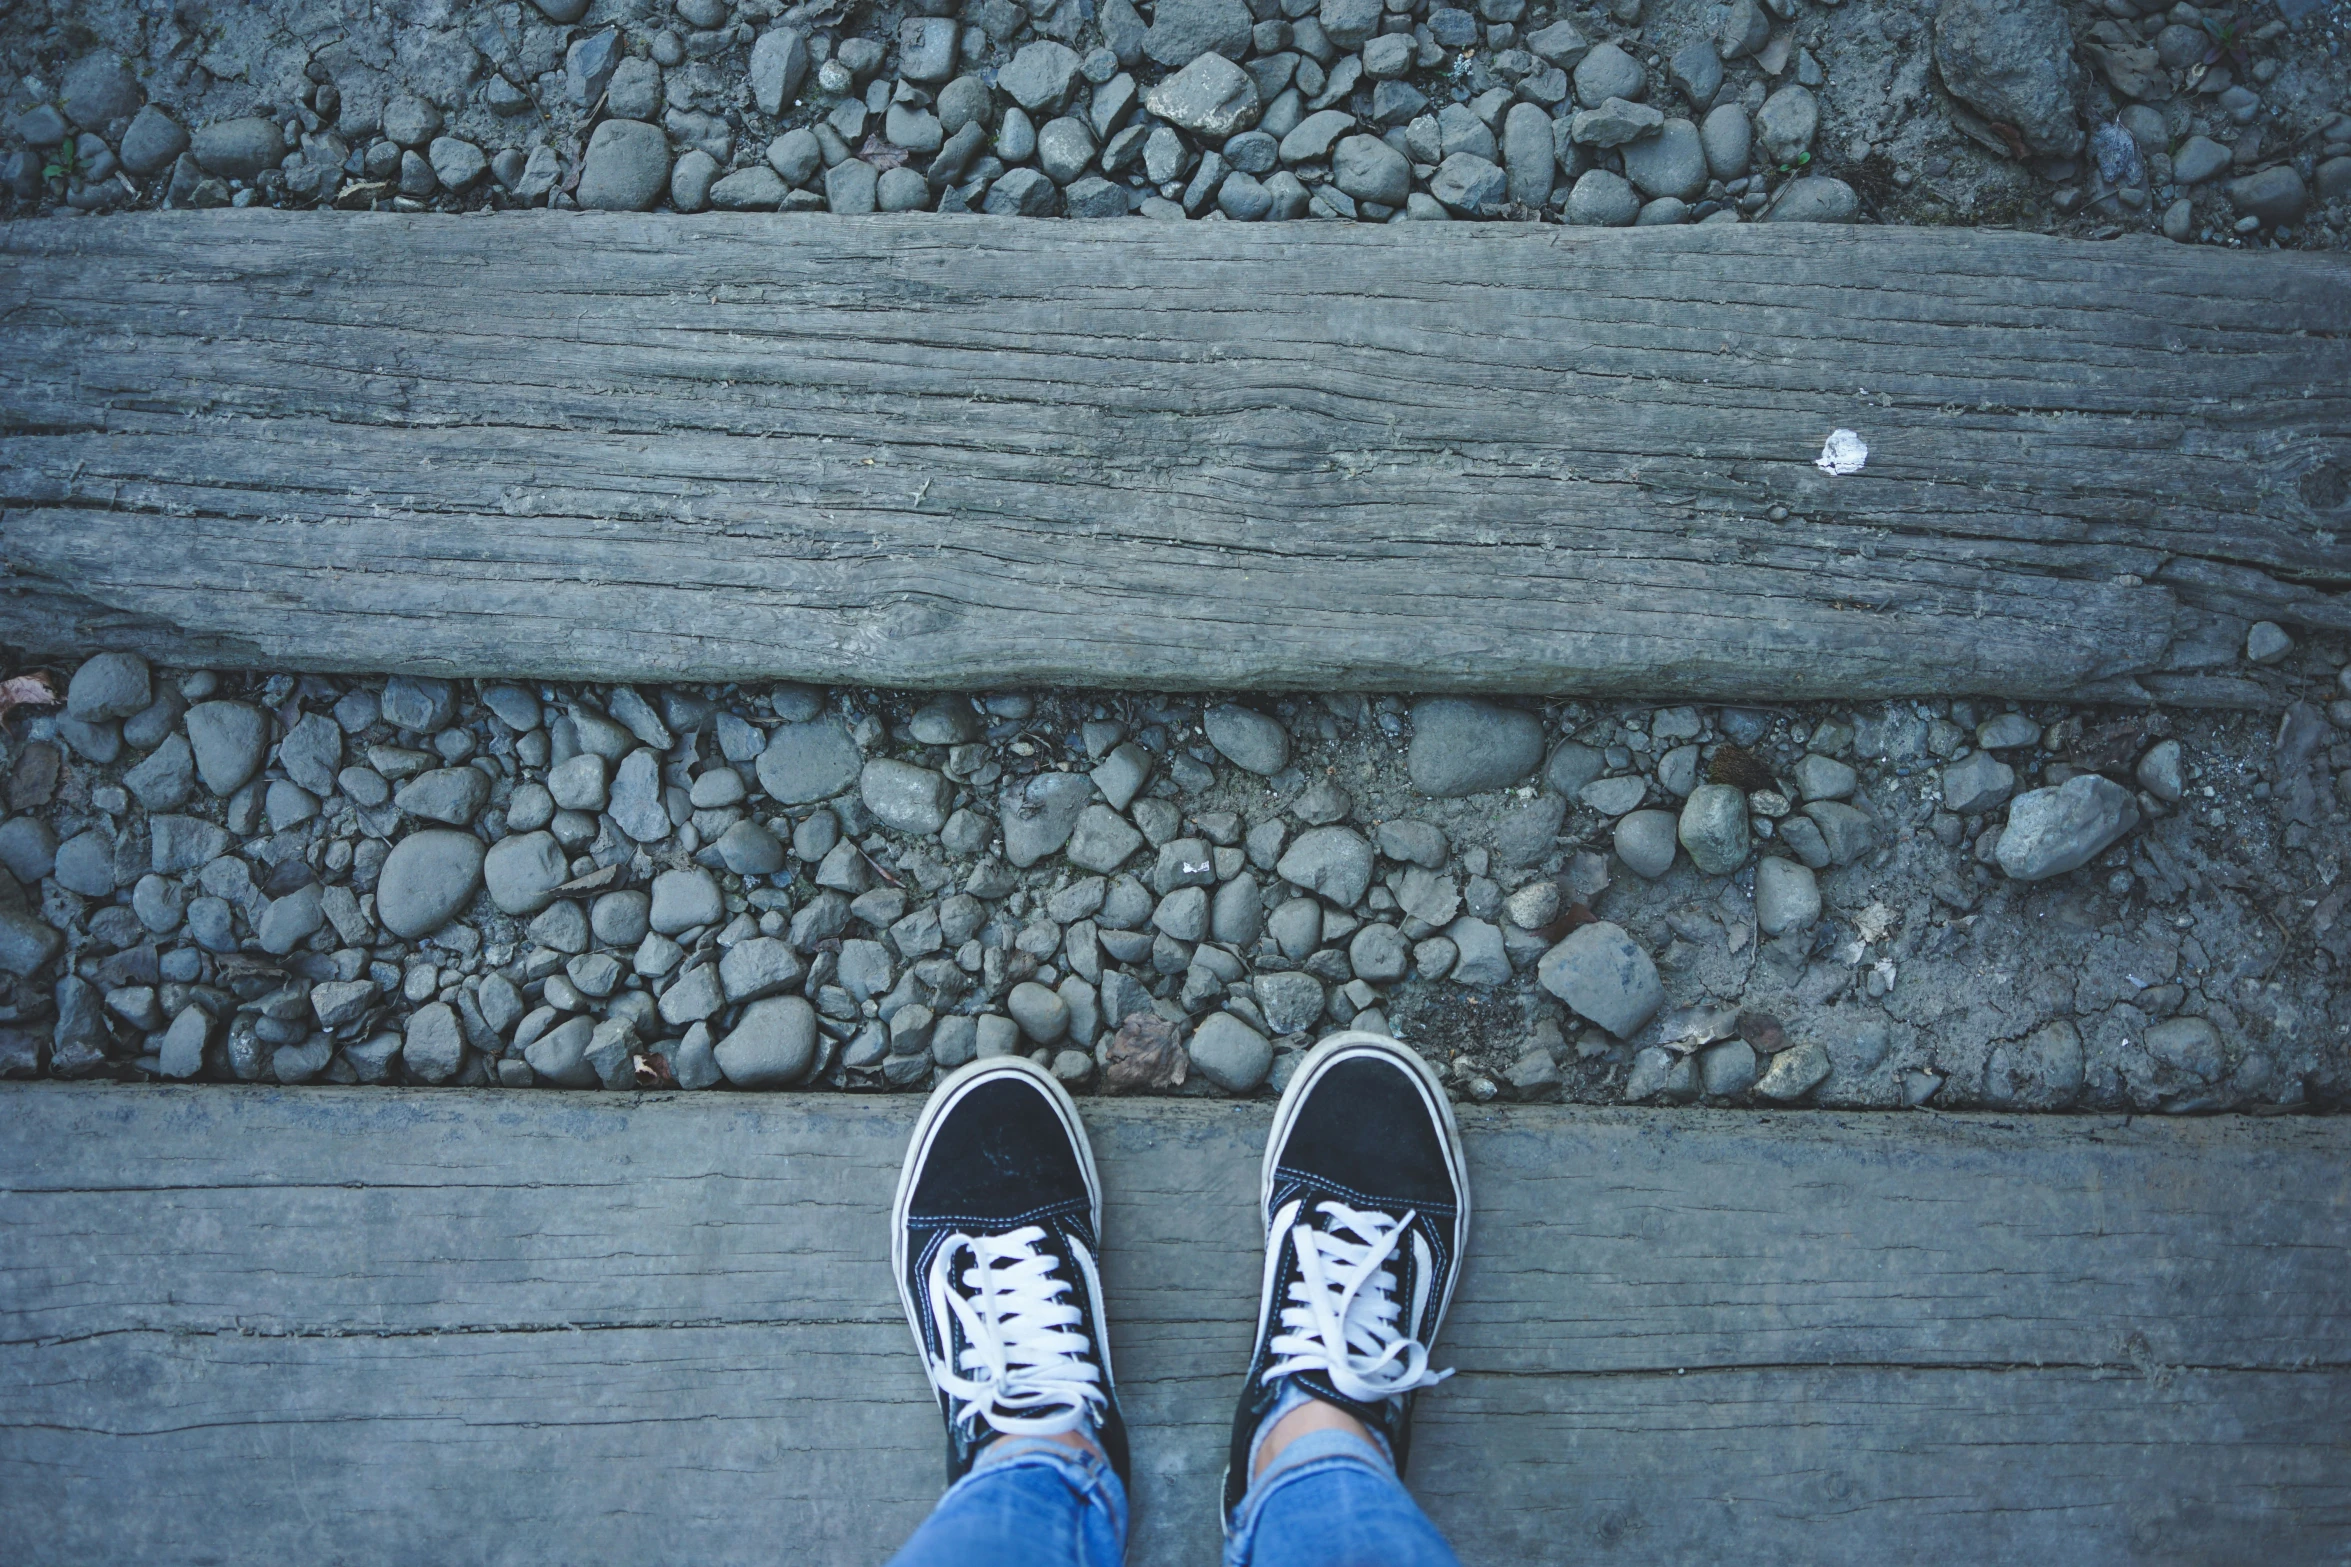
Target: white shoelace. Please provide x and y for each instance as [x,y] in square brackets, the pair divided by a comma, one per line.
[1027,1364]
[1341,1317]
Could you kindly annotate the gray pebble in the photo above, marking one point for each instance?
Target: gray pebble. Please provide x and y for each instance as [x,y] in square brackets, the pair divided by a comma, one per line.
[107,687]
[1040,813]
[1846,834]
[2007,732]
[1334,862]
[522,872]
[562,926]
[1236,915]
[229,740]
[450,795]
[806,762]
[1296,927]
[1183,914]
[1291,1002]
[1248,739]
[427,881]
[1728,1068]
[684,899]
[1614,796]
[1042,1015]
[626,168]
[1461,746]
[1571,767]
[1660,1073]
[638,807]
[1211,96]
[433,1047]
[2159,772]
[85,864]
[1978,783]
[2042,1071]
[1480,956]
[1714,828]
[772,1046]
[1603,976]
[1786,896]
[1102,840]
[1816,198]
[1601,199]
[1379,955]
[904,797]
[1368,169]
[2052,831]
[1231,1054]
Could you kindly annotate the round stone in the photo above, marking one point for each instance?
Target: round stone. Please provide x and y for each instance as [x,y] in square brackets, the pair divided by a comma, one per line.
[1231,1054]
[523,872]
[107,687]
[1248,739]
[427,880]
[1461,746]
[1787,897]
[772,1045]
[1714,828]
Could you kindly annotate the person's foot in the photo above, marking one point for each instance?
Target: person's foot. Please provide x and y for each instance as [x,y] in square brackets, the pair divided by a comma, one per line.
[994,1241]
[1366,1206]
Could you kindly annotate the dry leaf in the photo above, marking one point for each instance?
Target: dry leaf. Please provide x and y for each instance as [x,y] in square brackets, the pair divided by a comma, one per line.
[653,1071]
[1740,768]
[25,691]
[1764,1032]
[1146,1053]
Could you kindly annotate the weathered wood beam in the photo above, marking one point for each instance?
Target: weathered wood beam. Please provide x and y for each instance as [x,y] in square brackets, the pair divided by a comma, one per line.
[391,1325]
[923,452]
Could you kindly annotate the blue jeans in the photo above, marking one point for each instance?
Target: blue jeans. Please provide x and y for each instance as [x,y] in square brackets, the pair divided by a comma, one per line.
[1329,1500]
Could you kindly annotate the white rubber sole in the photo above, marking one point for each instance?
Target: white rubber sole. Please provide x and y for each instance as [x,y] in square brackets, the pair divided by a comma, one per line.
[945,1097]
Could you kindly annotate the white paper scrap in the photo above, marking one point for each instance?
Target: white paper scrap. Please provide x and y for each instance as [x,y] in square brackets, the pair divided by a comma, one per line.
[1844,453]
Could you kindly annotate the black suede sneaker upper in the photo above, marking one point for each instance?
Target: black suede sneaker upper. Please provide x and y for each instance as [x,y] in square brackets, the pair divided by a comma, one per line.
[1366,1212]
[996,1255]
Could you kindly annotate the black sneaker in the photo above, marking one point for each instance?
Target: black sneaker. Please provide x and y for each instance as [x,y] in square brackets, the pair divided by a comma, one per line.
[1366,1205]
[994,1245]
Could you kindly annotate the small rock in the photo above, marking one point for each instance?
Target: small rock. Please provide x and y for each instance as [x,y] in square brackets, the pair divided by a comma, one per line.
[1042,75]
[2042,1071]
[2012,61]
[1291,1002]
[239,149]
[434,1044]
[806,762]
[626,168]
[1658,1073]
[523,871]
[1609,72]
[1714,828]
[1601,199]
[1368,169]
[779,63]
[1979,782]
[1603,976]
[2159,772]
[1816,198]
[1481,957]
[2188,1044]
[1333,862]
[181,1055]
[108,687]
[1462,746]
[230,740]
[1182,30]
[1671,163]
[772,1046]
[904,797]
[427,881]
[452,795]
[1793,1074]
[1231,1054]
[1786,123]
[1728,1068]
[2275,195]
[685,899]
[1248,739]
[2267,643]
[1646,841]
[1787,897]
[2052,831]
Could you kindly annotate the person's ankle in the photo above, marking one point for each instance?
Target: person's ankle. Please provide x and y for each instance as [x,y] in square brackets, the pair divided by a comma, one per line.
[1081,1440]
[1312,1416]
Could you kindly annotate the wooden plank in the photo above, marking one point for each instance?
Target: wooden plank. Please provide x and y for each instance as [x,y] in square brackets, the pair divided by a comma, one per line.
[914,452]
[407,1325]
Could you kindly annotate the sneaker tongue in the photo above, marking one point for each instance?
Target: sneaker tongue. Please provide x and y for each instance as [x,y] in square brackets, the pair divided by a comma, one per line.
[1318,1383]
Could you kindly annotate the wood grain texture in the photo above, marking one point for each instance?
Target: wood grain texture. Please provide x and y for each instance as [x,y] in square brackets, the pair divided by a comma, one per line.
[406,1326]
[907,451]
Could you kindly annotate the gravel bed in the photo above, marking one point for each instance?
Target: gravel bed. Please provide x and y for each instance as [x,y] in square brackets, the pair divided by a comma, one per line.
[2221,123]
[360,880]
